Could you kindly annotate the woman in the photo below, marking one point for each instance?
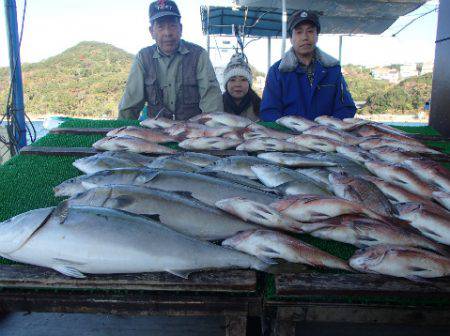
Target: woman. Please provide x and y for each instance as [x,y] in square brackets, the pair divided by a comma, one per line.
[239,98]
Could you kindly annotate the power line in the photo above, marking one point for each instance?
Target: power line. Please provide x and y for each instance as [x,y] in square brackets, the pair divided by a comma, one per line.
[415,19]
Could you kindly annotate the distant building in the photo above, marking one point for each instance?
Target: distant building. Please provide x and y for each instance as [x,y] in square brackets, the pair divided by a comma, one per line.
[385,73]
[408,70]
[427,68]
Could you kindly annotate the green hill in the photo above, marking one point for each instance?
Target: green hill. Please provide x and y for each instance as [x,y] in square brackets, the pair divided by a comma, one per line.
[408,96]
[361,83]
[86,80]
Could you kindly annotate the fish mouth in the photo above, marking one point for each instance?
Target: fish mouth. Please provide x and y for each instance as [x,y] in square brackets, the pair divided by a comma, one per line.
[366,258]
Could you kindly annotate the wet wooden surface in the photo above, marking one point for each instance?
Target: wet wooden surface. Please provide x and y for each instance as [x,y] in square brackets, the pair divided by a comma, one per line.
[80,130]
[307,284]
[23,276]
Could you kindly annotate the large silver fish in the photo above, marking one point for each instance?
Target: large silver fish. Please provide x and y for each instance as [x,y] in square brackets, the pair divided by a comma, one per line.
[400,261]
[207,189]
[238,165]
[177,211]
[274,176]
[239,179]
[199,159]
[173,163]
[266,245]
[78,240]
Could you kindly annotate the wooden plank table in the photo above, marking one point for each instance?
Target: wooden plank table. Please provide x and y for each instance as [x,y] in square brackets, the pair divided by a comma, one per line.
[229,293]
[314,297]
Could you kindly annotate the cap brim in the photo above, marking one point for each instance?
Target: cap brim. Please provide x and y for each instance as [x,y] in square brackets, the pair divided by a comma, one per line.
[301,20]
[162,14]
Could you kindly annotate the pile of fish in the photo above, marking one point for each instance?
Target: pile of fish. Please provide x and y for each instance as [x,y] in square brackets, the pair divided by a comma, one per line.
[351,181]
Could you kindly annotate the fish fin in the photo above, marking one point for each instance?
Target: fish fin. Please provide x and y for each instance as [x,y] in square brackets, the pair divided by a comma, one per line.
[430,232]
[69,271]
[367,239]
[319,215]
[62,211]
[182,274]
[417,269]
[88,185]
[154,217]
[187,194]
[266,249]
[121,147]
[123,201]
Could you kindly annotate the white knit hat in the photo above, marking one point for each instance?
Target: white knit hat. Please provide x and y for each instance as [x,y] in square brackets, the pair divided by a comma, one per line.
[237,67]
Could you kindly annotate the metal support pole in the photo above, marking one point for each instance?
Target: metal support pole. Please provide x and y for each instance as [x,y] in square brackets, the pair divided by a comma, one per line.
[16,71]
[284,27]
[269,52]
[208,38]
[340,48]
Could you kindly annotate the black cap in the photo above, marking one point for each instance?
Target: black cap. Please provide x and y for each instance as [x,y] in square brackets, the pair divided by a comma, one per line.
[302,16]
[161,8]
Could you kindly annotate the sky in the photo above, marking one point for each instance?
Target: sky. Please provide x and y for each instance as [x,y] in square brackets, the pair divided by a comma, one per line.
[53,26]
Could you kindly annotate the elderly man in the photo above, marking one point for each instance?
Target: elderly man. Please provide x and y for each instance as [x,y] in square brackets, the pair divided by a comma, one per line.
[174,77]
[306,82]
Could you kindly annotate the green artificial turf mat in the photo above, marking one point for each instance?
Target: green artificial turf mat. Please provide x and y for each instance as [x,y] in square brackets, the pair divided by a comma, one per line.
[91,123]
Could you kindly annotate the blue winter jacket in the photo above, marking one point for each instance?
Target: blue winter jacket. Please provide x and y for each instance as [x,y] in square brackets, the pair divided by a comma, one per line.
[289,92]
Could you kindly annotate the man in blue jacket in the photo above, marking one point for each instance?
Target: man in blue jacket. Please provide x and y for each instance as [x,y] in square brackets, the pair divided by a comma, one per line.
[306,82]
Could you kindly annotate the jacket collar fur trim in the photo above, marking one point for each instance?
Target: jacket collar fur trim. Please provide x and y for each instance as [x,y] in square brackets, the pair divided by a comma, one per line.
[289,62]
